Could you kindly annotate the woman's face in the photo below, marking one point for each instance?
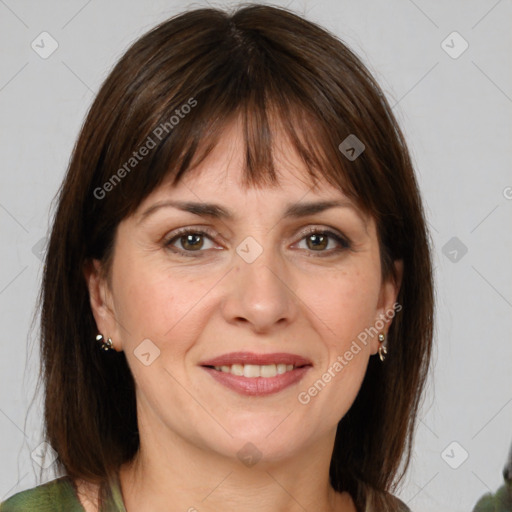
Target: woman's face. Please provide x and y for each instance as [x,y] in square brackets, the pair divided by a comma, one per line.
[265,285]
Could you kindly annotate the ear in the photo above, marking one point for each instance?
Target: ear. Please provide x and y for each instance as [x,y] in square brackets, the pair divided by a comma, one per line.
[102,304]
[387,305]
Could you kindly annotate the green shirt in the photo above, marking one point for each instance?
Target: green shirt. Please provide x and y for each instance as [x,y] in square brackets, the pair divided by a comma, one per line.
[60,496]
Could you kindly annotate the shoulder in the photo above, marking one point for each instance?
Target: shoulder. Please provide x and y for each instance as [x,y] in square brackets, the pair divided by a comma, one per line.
[397,504]
[391,503]
[381,501]
[55,496]
[401,506]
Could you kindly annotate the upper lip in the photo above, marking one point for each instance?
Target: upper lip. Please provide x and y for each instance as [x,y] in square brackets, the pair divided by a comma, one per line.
[257,359]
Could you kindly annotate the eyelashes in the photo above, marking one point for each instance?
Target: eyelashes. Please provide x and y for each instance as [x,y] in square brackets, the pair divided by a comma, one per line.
[319,236]
[189,237]
[317,241]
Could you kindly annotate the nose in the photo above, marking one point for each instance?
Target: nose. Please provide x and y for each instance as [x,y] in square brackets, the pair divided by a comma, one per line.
[260,294]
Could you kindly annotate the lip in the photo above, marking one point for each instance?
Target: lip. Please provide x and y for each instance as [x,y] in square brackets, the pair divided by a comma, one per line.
[257,386]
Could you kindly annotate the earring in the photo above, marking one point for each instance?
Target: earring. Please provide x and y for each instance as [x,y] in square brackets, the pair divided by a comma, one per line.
[382,348]
[105,345]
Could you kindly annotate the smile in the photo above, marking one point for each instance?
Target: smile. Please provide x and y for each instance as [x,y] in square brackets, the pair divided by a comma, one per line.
[248,373]
[254,370]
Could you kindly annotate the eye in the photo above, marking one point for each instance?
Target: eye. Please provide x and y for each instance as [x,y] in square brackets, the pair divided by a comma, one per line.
[324,241]
[189,240]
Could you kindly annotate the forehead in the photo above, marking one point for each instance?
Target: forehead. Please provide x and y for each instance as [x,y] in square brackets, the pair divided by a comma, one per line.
[215,188]
[223,170]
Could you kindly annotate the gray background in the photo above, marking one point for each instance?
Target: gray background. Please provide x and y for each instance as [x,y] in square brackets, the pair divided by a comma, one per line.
[456,114]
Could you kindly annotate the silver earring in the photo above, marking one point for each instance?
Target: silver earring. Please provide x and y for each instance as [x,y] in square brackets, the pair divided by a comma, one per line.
[105,345]
[382,348]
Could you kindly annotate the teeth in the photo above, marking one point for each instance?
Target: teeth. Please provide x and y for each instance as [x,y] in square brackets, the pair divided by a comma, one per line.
[237,369]
[268,370]
[251,370]
[255,370]
[281,368]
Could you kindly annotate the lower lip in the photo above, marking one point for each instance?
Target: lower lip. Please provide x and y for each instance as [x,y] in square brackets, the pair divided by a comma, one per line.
[258,386]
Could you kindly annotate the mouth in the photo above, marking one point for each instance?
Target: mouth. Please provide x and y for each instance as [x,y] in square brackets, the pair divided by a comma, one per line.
[253,370]
[257,374]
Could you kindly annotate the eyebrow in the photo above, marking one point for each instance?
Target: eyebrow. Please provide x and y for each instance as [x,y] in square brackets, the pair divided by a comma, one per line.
[215,211]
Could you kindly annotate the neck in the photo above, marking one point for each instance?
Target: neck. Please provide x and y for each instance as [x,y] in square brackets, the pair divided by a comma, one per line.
[183,477]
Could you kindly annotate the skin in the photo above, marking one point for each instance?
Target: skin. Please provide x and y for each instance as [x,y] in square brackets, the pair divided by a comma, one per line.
[290,299]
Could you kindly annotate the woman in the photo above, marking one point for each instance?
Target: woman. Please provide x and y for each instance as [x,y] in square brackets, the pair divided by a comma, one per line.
[237,298]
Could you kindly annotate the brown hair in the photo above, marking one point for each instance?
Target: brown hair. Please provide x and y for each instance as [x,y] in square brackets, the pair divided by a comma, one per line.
[268,66]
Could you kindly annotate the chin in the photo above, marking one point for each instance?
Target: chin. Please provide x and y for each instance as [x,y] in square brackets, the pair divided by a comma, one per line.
[267,441]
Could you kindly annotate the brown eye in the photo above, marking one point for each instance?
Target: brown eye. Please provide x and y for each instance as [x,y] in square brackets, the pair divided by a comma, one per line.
[317,241]
[191,242]
[324,242]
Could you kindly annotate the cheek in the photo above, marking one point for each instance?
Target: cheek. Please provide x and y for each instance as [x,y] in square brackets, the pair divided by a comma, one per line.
[353,311]
[346,305]
[342,310]
[152,302]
